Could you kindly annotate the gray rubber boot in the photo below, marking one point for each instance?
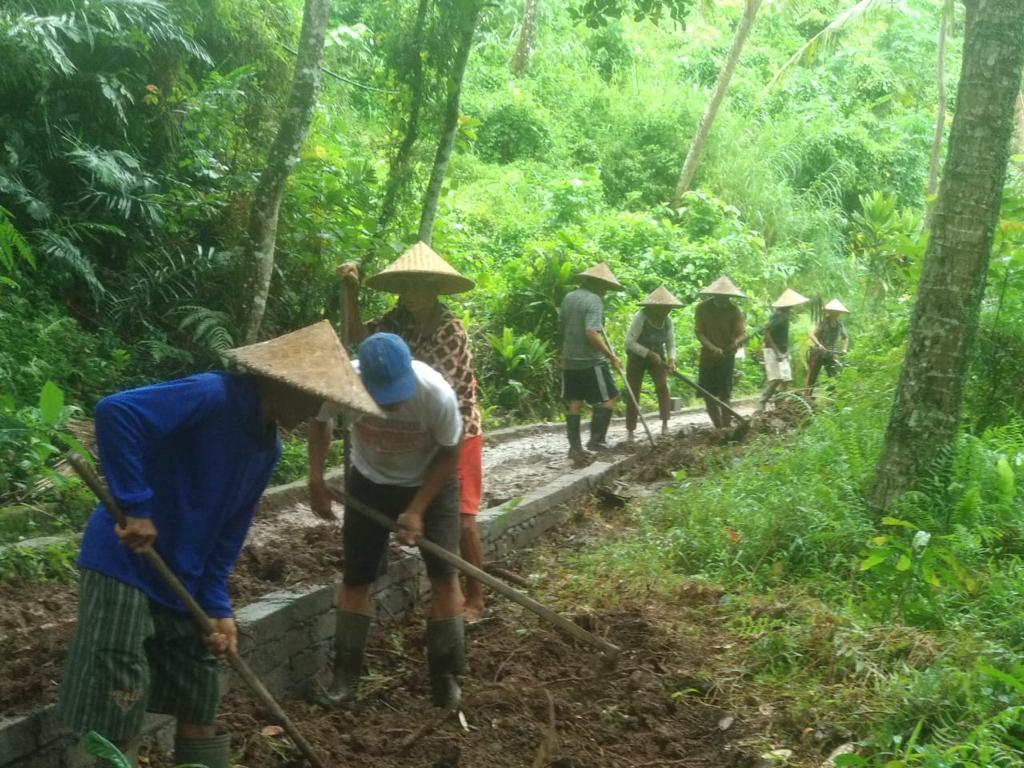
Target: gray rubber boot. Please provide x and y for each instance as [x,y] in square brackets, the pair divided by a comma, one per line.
[446,650]
[600,418]
[350,633]
[213,751]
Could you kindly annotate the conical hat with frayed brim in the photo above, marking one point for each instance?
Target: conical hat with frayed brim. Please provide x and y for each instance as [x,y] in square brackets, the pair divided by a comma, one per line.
[790,298]
[836,306]
[723,286]
[660,297]
[420,266]
[311,359]
[602,274]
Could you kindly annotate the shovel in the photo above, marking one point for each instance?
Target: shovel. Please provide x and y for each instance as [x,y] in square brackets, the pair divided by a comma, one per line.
[611,652]
[629,391]
[205,625]
[741,428]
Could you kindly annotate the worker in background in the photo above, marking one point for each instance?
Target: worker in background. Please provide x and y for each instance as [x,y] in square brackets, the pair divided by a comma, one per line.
[776,345]
[187,461]
[718,324]
[651,346]
[436,337]
[829,340]
[404,464]
[586,375]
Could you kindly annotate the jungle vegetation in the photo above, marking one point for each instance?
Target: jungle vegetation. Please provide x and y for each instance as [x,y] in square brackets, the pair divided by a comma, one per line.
[796,143]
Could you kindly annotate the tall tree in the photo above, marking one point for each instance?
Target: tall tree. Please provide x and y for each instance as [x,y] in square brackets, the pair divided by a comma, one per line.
[926,411]
[521,58]
[281,159]
[400,169]
[466,14]
[750,8]
[940,108]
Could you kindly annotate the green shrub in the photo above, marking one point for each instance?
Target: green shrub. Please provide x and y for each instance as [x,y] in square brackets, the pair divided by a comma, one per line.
[513,131]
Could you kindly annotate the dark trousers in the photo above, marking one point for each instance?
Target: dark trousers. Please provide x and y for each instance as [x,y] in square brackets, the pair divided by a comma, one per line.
[819,359]
[635,369]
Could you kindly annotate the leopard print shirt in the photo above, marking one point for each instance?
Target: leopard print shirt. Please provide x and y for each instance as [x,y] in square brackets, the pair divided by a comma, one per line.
[446,350]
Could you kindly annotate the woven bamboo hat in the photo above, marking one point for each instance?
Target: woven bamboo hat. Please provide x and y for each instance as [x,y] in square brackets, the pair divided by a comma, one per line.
[311,359]
[723,286]
[602,274]
[790,298]
[660,297]
[420,266]
[836,306]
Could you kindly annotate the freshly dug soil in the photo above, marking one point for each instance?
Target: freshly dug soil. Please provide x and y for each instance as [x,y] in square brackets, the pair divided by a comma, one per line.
[36,619]
[531,698]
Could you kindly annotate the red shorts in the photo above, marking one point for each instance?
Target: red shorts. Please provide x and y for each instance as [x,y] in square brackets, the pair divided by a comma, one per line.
[471,474]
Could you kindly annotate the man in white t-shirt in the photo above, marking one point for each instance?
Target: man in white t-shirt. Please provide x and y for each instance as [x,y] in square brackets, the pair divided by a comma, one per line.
[403,464]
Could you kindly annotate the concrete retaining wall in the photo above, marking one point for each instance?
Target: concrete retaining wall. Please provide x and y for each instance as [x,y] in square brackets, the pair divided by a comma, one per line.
[285,636]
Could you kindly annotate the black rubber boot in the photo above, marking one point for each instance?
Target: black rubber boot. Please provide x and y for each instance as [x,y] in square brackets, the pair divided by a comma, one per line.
[212,752]
[600,418]
[350,633]
[572,430]
[445,659]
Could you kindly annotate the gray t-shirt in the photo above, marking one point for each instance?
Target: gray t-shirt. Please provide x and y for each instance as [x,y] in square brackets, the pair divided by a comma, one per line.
[582,310]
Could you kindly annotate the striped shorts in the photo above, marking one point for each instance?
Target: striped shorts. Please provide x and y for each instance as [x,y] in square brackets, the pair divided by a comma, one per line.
[130,656]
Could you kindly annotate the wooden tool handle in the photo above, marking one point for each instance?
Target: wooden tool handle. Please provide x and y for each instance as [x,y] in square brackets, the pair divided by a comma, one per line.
[96,485]
[497,585]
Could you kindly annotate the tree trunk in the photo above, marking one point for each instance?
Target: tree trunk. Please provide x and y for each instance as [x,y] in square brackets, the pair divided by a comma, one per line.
[521,58]
[925,415]
[940,110]
[282,157]
[470,12]
[400,169]
[1020,123]
[750,9]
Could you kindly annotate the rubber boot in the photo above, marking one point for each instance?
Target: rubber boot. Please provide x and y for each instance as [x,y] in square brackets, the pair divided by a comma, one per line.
[350,631]
[572,430]
[445,659]
[212,751]
[599,421]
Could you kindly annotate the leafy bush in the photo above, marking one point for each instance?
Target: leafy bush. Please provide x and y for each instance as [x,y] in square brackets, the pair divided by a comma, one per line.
[513,131]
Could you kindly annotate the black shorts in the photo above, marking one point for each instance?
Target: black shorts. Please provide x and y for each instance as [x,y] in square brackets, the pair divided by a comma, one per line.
[716,377]
[593,385]
[365,543]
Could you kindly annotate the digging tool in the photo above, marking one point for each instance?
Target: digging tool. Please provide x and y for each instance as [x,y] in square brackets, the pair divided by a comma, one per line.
[610,651]
[741,428]
[629,391]
[205,625]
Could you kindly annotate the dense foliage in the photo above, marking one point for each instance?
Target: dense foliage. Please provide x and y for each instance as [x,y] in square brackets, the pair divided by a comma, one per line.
[133,132]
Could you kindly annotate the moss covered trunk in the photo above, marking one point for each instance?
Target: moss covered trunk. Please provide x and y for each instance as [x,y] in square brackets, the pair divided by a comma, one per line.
[926,412]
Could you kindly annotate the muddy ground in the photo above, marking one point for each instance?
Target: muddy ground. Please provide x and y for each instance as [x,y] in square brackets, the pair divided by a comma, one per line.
[292,547]
[532,698]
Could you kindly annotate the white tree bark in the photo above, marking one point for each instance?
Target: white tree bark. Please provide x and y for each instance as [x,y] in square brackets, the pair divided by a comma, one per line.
[739,39]
[281,159]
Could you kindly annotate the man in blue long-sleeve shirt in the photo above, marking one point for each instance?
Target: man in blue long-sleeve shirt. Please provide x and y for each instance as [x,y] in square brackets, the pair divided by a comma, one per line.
[187,461]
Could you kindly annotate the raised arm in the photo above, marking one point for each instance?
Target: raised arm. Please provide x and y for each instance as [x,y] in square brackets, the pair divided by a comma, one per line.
[354,330]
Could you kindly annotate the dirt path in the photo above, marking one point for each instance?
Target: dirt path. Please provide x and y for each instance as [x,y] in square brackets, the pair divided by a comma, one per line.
[286,548]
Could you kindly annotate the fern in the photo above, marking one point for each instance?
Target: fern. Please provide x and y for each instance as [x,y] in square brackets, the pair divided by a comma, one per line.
[208,328]
[13,246]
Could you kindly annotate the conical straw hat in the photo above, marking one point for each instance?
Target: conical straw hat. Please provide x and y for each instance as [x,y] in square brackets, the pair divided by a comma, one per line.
[311,359]
[601,273]
[836,306]
[660,297]
[790,298]
[723,286]
[419,266]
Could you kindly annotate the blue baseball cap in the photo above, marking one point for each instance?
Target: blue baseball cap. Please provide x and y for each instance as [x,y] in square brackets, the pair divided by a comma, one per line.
[385,365]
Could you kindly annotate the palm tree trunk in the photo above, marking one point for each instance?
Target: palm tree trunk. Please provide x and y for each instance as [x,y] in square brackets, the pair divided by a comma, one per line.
[1020,123]
[750,9]
[400,170]
[521,58]
[282,157]
[926,412]
[940,111]
[470,14]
